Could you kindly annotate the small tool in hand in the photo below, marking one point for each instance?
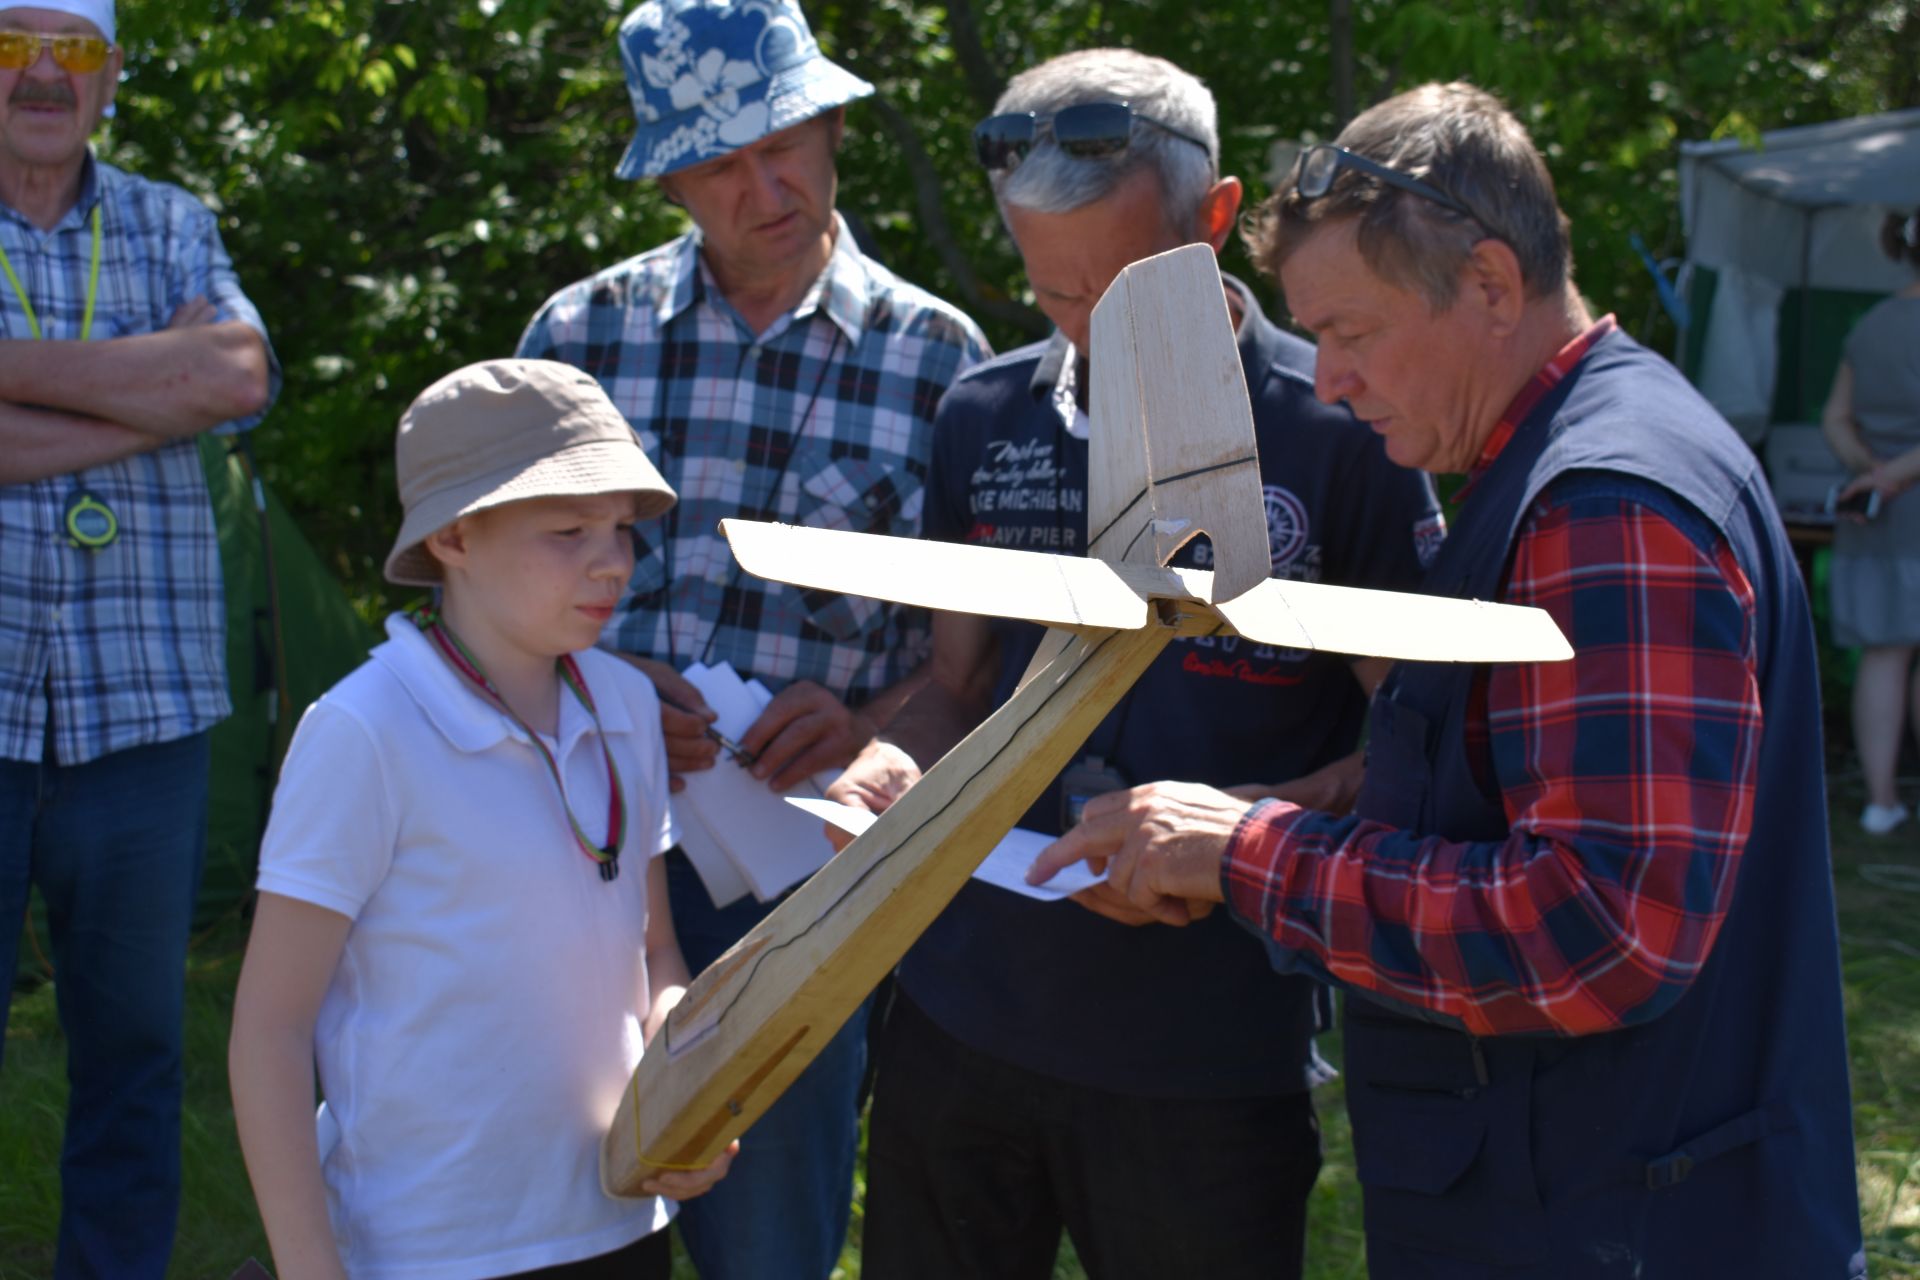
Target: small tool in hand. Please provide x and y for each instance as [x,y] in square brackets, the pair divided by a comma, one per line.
[732,748]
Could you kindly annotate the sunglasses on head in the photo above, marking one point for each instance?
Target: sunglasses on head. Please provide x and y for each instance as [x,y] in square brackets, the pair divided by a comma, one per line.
[79,54]
[1087,130]
[1317,167]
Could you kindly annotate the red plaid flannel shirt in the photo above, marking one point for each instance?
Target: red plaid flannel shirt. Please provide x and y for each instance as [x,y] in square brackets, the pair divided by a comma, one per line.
[1627,775]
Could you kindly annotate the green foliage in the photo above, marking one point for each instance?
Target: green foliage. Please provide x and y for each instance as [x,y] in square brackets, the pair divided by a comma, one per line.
[402,184]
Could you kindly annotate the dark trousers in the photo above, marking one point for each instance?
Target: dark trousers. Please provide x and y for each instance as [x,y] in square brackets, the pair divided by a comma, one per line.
[648,1258]
[974,1166]
[115,847]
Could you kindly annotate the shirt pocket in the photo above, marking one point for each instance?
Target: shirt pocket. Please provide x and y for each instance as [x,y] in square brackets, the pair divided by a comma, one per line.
[855,495]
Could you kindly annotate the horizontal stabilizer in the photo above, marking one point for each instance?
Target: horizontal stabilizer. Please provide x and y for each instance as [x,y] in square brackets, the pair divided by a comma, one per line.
[1071,591]
[1060,591]
[1393,624]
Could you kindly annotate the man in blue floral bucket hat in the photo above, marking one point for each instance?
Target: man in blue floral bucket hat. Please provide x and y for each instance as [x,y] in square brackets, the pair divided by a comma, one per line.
[771,370]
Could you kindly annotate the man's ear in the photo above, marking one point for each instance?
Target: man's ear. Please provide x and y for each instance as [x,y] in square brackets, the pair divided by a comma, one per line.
[1496,283]
[837,124]
[1219,208]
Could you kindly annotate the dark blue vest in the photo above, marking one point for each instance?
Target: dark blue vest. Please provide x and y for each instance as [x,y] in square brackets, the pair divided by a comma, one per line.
[1715,1139]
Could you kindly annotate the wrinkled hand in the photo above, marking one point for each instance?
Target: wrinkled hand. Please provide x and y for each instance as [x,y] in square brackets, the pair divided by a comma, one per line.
[1164,843]
[878,776]
[803,730]
[685,1184]
[684,717]
[1331,788]
[192,313]
[1104,900]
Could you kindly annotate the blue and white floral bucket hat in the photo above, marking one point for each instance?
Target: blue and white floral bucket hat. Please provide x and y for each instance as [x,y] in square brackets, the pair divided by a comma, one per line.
[711,76]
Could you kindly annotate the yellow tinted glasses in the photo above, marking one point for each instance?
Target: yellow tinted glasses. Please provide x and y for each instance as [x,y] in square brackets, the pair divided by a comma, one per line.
[79,54]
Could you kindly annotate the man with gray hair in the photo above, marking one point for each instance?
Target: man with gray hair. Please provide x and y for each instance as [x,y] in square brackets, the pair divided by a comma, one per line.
[1583,911]
[1015,1093]
[124,334]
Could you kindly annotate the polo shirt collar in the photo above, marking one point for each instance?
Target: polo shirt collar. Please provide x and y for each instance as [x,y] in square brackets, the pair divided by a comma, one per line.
[466,719]
[1256,338]
[844,291]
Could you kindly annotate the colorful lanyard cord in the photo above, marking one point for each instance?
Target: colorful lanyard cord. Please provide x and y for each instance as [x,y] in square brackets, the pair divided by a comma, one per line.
[428,620]
[93,284]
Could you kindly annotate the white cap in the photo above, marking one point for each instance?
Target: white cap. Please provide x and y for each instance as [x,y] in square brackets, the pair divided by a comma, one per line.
[98,12]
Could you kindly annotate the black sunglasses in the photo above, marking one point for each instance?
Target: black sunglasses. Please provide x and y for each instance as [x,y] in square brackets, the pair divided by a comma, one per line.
[1317,167]
[1087,130]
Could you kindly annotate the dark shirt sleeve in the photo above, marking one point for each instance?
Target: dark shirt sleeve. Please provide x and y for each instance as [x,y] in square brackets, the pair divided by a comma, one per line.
[946,516]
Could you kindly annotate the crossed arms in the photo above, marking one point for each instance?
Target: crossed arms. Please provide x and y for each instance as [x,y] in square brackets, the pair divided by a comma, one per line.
[66,406]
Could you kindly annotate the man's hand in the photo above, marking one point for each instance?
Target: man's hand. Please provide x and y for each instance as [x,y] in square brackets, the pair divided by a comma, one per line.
[684,717]
[1104,900]
[1330,789]
[878,776]
[685,1184]
[193,312]
[803,730]
[1164,843]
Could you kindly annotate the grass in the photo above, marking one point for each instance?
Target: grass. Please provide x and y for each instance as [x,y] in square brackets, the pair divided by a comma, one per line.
[1878,887]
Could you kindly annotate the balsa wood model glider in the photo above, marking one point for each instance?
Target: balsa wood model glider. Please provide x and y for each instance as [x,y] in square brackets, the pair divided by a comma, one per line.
[1172,456]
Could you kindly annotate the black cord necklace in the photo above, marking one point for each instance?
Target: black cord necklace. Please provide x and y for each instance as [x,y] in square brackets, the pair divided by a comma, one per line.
[767,508]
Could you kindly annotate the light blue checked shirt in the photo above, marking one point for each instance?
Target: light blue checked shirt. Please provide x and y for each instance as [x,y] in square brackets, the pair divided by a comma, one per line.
[826,419]
[126,646]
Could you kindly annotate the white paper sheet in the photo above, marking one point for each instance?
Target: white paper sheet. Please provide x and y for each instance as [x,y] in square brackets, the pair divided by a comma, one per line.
[770,846]
[1005,867]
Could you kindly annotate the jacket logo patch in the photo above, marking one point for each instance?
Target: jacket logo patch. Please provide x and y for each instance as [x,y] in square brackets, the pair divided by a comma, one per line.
[1428,534]
[1286,525]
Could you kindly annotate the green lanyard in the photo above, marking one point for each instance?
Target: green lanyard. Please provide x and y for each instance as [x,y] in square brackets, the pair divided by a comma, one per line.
[93,283]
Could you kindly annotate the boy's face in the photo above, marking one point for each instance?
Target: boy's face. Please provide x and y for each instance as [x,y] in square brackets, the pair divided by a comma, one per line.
[543,574]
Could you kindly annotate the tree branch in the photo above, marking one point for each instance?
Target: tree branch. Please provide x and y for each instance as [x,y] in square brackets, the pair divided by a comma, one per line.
[1340,53]
[939,232]
[983,77]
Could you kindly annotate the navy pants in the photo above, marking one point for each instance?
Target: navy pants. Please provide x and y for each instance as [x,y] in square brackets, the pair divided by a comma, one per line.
[974,1166]
[115,847]
[781,1212]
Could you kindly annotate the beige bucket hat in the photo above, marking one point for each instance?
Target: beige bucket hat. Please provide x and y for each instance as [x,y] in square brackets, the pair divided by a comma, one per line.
[501,431]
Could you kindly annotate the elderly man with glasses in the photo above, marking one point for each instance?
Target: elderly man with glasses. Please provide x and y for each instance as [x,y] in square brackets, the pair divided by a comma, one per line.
[1049,1064]
[125,336]
[1582,912]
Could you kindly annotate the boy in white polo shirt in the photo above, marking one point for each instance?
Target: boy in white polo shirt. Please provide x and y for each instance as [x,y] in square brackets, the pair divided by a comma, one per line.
[455,887]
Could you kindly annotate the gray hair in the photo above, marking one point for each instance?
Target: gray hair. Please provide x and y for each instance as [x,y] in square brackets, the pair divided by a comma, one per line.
[1049,180]
[1452,136]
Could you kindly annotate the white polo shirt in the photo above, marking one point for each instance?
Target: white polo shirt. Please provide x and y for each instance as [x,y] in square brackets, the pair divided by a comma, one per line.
[486,1012]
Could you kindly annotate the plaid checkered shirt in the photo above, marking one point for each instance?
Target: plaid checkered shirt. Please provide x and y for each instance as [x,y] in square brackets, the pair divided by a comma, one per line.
[825,419]
[1627,776]
[124,647]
